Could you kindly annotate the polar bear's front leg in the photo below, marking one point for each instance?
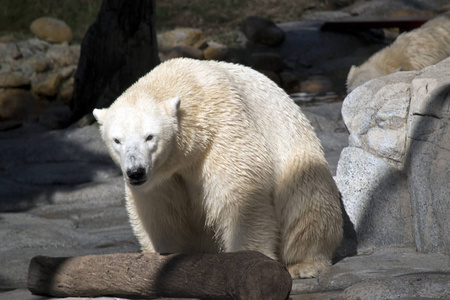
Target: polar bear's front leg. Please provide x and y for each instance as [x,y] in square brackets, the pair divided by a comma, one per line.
[245,221]
[137,223]
[164,220]
[307,269]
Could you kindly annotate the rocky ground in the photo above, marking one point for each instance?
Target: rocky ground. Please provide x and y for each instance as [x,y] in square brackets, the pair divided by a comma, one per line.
[61,195]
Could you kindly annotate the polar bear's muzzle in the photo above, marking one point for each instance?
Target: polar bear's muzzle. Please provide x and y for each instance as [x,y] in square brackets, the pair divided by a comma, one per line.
[133,164]
[136,175]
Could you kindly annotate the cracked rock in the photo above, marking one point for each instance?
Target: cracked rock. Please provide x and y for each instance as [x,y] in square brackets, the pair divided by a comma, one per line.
[395,173]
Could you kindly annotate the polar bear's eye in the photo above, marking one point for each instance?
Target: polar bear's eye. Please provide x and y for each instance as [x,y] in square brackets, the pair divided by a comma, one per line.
[116,141]
[149,138]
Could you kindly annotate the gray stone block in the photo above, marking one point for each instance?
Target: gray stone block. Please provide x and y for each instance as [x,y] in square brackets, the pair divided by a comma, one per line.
[376,198]
[428,165]
[394,177]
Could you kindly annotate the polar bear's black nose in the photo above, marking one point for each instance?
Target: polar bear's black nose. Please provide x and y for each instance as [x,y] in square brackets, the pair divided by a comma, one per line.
[137,175]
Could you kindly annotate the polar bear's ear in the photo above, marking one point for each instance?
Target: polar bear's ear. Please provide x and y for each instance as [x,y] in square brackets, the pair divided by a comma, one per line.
[99,115]
[172,105]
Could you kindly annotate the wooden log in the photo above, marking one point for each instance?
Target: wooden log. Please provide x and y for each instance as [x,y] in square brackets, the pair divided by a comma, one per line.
[239,275]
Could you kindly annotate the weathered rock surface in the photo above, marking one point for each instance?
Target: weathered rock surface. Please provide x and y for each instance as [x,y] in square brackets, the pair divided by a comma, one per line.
[394,176]
[433,285]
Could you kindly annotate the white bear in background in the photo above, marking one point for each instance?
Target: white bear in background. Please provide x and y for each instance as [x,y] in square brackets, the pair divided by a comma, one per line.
[411,51]
[217,158]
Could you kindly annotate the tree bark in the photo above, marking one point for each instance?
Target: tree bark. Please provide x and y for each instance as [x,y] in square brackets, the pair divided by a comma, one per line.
[240,275]
[118,48]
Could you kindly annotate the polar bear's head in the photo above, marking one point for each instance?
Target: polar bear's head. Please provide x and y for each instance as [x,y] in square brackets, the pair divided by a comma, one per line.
[139,133]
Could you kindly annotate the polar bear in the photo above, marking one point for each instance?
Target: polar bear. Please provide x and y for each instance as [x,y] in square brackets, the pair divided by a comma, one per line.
[411,51]
[217,158]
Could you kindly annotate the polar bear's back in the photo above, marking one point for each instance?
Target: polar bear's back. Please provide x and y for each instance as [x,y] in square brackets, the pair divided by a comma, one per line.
[278,118]
[210,86]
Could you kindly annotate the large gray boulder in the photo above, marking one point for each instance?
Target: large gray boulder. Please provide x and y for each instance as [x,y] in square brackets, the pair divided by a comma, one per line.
[394,175]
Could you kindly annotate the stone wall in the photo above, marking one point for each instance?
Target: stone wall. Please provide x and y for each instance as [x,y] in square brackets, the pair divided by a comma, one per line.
[34,74]
[394,175]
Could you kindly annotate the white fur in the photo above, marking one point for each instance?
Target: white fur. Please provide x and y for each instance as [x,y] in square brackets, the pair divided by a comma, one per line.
[233,165]
[414,50]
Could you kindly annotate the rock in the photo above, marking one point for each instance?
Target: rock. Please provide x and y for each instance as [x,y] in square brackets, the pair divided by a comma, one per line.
[401,266]
[11,80]
[289,82]
[272,76]
[56,235]
[57,117]
[427,285]
[384,263]
[63,55]
[394,175]
[184,51]
[66,93]
[330,129]
[9,125]
[384,8]
[427,163]
[316,85]
[375,194]
[262,31]
[47,85]
[326,15]
[180,37]
[9,50]
[32,47]
[18,104]
[372,113]
[67,72]
[51,29]
[7,39]
[48,70]
[267,62]
[38,63]
[215,51]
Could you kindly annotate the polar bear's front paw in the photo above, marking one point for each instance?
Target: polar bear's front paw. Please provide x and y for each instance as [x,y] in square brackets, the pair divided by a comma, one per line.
[306,269]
